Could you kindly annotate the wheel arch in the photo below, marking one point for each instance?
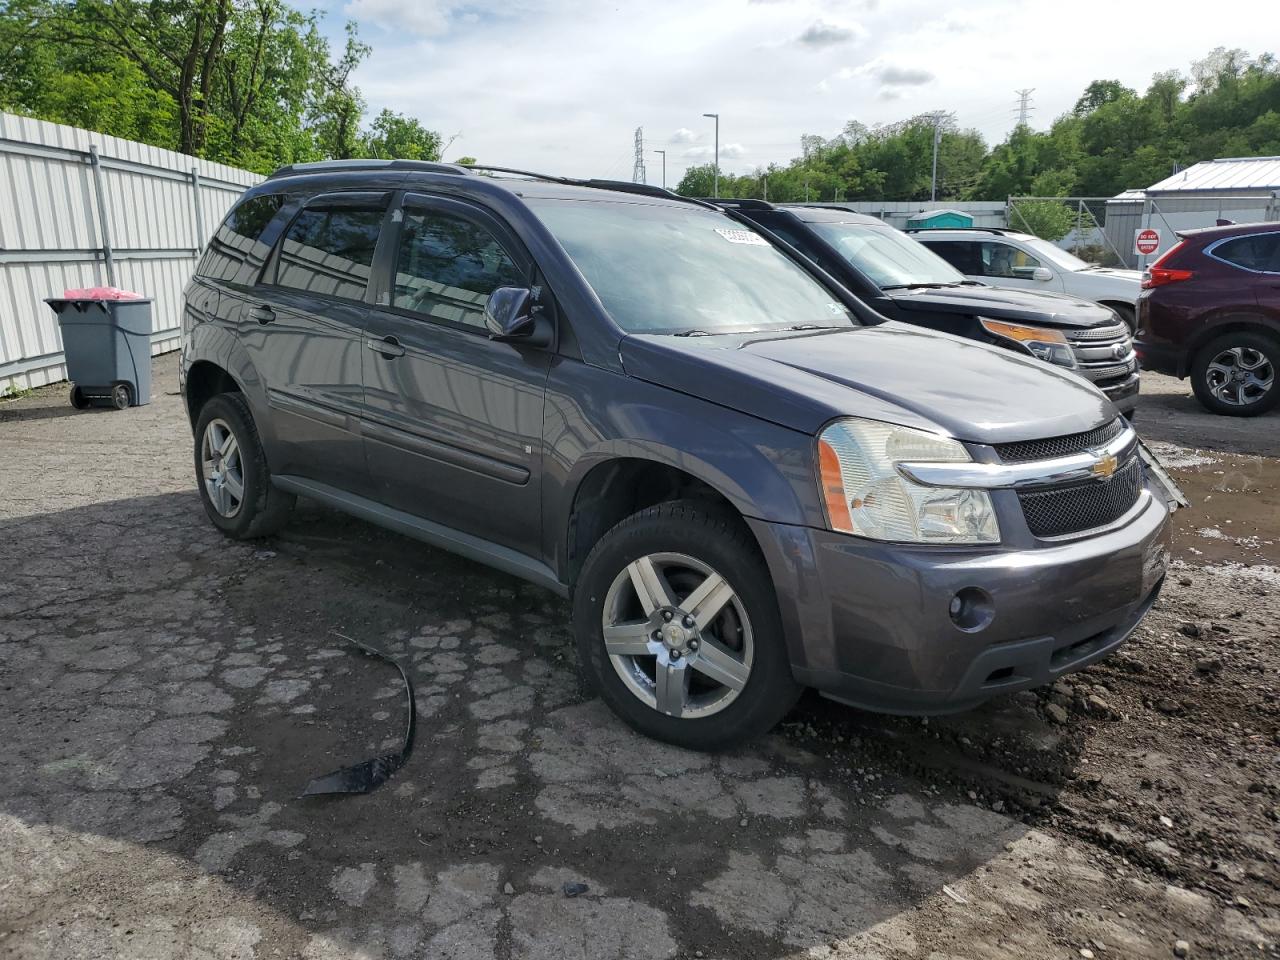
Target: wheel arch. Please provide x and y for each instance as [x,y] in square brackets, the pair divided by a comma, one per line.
[205,379]
[1233,323]
[614,486]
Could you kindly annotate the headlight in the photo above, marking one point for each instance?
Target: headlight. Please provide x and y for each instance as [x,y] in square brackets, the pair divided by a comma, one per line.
[1043,342]
[866,495]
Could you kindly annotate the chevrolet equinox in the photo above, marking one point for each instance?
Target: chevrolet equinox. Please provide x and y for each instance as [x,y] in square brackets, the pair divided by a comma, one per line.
[746,480]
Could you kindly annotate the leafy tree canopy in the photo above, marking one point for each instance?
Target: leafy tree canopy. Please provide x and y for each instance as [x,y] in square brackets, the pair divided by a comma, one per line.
[1114,138]
[252,83]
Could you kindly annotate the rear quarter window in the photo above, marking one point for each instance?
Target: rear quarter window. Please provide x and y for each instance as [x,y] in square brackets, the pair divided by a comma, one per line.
[236,253]
[1258,252]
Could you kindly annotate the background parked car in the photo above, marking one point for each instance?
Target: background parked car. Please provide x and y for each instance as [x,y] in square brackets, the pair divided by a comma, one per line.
[1210,309]
[1007,258]
[905,281]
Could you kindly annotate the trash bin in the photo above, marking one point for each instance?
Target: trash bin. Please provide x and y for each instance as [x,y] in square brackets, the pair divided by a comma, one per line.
[107,344]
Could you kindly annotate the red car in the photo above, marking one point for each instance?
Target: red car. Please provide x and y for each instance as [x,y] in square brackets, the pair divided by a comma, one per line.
[1210,309]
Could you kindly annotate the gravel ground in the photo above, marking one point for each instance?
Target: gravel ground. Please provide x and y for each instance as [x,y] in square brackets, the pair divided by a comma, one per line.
[168,693]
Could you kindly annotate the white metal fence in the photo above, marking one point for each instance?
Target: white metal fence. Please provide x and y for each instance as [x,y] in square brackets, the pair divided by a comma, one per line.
[80,209]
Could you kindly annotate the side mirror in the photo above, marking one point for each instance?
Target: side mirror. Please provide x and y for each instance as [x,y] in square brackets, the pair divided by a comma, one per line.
[1042,274]
[511,316]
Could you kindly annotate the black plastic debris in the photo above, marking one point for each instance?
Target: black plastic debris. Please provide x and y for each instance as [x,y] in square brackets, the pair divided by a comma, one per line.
[372,773]
[574,889]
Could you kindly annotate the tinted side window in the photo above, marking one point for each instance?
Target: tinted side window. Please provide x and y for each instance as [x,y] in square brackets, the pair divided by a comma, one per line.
[447,266]
[1260,252]
[235,253]
[329,251]
[964,255]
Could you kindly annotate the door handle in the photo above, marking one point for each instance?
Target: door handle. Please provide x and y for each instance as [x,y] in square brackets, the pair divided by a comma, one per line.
[389,347]
[263,315]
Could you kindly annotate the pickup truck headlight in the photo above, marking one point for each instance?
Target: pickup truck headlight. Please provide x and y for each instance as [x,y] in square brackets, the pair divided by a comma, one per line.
[1043,342]
[866,496]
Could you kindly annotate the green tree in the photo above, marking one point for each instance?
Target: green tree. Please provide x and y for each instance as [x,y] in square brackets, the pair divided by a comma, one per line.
[397,137]
[252,83]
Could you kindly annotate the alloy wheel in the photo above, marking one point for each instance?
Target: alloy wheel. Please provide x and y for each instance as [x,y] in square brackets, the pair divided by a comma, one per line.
[678,635]
[1240,376]
[222,468]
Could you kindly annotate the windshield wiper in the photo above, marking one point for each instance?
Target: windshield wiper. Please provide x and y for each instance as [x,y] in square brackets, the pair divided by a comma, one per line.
[915,286]
[691,333]
[819,326]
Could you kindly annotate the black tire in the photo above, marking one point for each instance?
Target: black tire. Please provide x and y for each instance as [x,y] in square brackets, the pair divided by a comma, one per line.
[718,538]
[79,400]
[1126,313]
[121,396]
[1243,346]
[262,509]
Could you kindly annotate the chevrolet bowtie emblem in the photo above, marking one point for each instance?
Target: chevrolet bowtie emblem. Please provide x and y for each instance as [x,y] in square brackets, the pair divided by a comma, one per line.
[1104,467]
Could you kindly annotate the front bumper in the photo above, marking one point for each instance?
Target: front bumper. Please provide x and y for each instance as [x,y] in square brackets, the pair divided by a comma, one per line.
[868,623]
[1123,394]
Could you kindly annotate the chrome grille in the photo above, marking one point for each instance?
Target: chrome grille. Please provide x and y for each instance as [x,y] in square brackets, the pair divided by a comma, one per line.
[1061,511]
[1116,331]
[1103,354]
[1047,449]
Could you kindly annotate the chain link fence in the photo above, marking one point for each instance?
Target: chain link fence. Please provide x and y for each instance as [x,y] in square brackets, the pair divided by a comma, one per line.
[1105,230]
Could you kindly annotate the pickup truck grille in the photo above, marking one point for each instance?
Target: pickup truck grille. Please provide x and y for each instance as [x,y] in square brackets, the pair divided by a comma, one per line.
[1077,507]
[1104,355]
[1027,450]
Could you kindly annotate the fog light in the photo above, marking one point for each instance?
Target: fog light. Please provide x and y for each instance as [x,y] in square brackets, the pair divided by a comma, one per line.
[971,609]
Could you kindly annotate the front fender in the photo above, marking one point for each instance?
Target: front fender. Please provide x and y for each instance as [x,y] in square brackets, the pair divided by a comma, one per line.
[593,416]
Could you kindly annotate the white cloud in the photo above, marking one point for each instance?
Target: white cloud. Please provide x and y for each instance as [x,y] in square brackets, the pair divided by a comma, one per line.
[728,151]
[895,76]
[426,18]
[561,86]
[822,34]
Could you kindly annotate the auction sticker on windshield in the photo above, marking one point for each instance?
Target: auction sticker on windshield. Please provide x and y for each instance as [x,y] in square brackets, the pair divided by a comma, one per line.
[742,236]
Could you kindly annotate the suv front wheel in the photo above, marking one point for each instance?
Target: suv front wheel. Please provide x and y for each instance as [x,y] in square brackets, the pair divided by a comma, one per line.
[231,471]
[678,628]
[1235,374]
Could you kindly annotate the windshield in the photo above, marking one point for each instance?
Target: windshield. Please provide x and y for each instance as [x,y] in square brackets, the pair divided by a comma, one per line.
[1055,255]
[888,256]
[661,268]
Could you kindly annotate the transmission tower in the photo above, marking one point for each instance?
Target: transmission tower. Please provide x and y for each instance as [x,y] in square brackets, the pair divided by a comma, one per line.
[1024,104]
[637,172]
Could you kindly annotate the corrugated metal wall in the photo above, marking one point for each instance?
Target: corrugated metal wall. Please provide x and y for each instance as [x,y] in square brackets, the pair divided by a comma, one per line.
[1170,212]
[158,207]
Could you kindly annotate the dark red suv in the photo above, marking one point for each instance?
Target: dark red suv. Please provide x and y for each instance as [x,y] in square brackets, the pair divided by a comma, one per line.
[1210,309]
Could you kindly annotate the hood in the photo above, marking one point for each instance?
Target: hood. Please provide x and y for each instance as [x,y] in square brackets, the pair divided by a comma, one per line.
[1118,273]
[893,372]
[1025,306]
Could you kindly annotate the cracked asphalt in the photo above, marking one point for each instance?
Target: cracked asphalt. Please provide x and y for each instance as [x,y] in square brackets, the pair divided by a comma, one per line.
[167,693]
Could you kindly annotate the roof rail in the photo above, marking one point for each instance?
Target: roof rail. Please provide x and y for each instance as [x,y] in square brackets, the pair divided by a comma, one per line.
[819,205]
[621,186]
[518,172]
[995,230]
[740,203]
[342,166]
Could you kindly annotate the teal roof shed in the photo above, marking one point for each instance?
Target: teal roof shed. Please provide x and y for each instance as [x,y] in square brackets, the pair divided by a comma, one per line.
[940,218]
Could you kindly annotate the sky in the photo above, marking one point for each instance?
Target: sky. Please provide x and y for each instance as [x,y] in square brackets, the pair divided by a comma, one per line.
[560,87]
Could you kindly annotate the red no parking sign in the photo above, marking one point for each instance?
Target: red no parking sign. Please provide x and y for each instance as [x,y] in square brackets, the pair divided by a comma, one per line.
[1146,241]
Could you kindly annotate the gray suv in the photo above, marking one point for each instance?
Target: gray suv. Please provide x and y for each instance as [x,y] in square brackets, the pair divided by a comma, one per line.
[746,480]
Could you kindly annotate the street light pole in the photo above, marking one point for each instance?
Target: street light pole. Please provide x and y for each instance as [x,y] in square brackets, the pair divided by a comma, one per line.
[664,167]
[715,190]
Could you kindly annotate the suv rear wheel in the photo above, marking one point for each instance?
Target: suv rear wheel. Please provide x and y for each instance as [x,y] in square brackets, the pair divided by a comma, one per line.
[1235,374]
[678,628]
[231,471]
